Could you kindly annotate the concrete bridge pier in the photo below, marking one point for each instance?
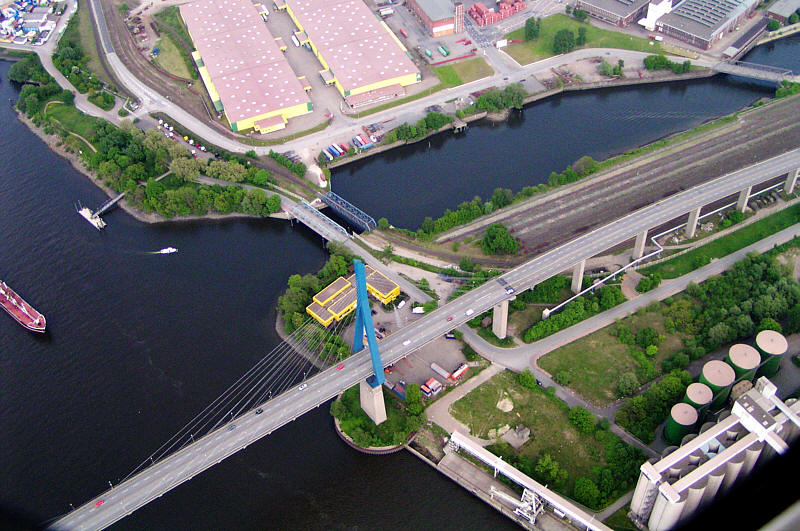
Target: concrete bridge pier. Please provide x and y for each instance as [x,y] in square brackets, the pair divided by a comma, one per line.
[638,246]
[500,320]
[372,402]
[691,225]
[744,195]
[577,276]
[791,181]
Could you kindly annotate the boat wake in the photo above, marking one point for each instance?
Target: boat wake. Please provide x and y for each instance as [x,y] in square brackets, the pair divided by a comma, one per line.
[165,250]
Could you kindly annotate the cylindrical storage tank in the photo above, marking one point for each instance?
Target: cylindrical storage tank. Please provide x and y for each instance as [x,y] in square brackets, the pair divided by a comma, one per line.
[719,376]
[643,495]
[707,425]
[682,418]
[694,495]
[714,481]
[772,346]
[668,450]
[745,360]
[665,514]
[698,395]
[732,469]
[751,456]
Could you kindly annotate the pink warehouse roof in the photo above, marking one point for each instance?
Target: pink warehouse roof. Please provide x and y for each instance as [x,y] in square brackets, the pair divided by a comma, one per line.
[248,69]
[352,41]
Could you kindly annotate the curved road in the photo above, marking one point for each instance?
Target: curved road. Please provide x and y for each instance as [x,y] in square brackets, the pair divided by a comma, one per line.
[216,446]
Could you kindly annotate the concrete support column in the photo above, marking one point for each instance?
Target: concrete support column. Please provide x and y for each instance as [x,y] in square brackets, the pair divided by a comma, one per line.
[744,195]
[638,247]
[500,320]
[372,402]
[691,225]
[791,181]
[577,276]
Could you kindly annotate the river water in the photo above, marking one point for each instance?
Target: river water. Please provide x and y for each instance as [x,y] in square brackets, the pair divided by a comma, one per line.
[137,344]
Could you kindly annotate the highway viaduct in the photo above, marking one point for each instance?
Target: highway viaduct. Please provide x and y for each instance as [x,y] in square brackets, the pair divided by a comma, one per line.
[212,448]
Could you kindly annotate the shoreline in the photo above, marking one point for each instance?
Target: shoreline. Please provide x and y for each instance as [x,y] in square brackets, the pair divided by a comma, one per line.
[53,140]
[502,116]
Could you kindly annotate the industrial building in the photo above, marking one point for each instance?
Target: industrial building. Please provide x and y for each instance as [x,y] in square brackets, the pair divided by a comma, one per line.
[703,22]
[242,66]
[438,17]
[671,489]
[338,299]
[358,52]
[783,9]
[617,12]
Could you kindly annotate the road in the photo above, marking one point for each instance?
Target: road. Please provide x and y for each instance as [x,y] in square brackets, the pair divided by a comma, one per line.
[213,448]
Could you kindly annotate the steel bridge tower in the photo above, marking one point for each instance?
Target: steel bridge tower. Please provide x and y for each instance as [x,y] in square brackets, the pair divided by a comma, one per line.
[370,389]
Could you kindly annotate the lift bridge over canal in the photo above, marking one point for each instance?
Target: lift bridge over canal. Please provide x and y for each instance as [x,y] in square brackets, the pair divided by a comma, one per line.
[295,376]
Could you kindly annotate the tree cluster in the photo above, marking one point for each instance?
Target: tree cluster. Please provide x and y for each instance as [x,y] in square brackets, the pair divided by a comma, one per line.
[29,70]
[432,122]
[70,60]
[497,240]
[660,62]
[581,308]
[642,414]
[648,283]
[563,41]
[495,100]
[787,88]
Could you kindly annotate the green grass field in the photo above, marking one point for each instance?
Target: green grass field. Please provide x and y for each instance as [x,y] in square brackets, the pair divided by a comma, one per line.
[619,520]
[685,263]
[462,72]
[170,58]
[547,416]
[83,33]
[596,361]
[73,120]
[542,47]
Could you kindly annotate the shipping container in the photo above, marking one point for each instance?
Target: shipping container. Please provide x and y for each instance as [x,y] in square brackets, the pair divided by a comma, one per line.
[426,392]
[386,11]
[337,149]
[434,385]
[428,53]
[344,147]
[327,155]
[332,151]
[357,141]
[418,310]
[441,372]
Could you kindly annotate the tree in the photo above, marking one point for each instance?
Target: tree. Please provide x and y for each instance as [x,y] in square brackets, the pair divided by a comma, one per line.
[582,419]
[414,400]
[773,25]
[383,223]
[549,470]
[186,168]
[466,264]
[563,42]
[497,240]
[581,40]
[768,323]
[532,28]
[586,492]
[651,350]
[527,379]
[628,384]
[794,18]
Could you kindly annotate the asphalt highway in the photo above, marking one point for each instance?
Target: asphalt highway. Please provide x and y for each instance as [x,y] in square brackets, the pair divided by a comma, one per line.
[239,433]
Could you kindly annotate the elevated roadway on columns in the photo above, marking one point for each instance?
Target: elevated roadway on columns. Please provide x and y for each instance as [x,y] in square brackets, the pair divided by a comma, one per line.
[181,466]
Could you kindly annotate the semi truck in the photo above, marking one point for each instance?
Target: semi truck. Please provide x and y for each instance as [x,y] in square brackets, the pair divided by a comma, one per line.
[441,372]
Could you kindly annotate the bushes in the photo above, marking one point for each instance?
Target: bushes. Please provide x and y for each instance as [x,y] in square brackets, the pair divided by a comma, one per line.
[102,99]
[648,283]
[660,62]
[497,240]
[582,419]
[581,308]
[298,168]
[364,432]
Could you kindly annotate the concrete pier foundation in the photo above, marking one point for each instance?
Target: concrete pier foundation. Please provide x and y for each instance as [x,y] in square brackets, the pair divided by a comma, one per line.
[691,224]
[500,320]
[577,276]
[744,195]
[372,402]
[791,181]
[638,246]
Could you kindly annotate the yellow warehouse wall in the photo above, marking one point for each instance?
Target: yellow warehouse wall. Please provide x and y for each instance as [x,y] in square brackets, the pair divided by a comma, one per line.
[407,79]
[288,112]
[393,36]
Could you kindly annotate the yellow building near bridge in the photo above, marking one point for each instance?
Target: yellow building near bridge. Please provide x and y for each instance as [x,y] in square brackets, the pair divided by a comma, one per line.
[339,298]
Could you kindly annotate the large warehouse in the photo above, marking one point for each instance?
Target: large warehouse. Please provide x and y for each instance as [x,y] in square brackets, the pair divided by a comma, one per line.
[617,12]
[440,18]
[703,22]
[246,74]
[359,53]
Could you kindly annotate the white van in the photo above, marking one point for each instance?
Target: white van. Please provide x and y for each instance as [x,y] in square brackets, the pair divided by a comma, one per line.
[295,41]
[401,304]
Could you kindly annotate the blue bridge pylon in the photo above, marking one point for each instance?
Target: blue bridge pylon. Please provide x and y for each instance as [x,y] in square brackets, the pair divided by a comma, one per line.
[364,326]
